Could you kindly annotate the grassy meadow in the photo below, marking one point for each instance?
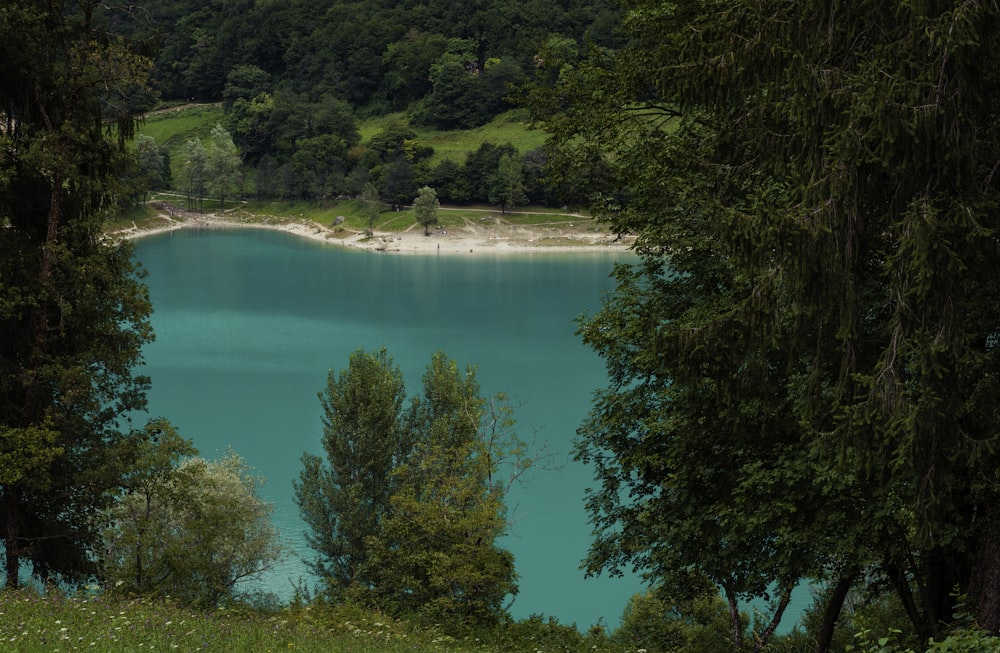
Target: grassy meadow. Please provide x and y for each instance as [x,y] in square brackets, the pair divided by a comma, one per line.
[172,127]
[510,127]
[32,623]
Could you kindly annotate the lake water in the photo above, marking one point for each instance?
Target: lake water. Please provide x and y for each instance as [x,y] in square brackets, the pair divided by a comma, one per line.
[249,323]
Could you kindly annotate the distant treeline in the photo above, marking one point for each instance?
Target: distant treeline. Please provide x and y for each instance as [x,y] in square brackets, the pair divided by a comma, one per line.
[454,57]
[294,76]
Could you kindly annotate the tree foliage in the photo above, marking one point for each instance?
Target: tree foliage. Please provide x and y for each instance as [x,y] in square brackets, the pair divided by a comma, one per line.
[344,497]
[73,313]
[374,54]
[507,183]
[811,334]
[222,165]
[437,553]
[425,207]
[187,528]
[407,510]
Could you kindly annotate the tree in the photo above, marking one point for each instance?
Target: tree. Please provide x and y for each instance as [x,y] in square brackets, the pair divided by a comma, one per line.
[74,315]
[408,62]
[814,210]
[437,551]
[658,621]
[344,498]
[425,207]
[153,163]
[507,183]
[245,82]
[481,166]
[222,165]
[407,512]
[318,166]
[398,184]
[194,172]
[453,102]
[187,528]
[372,205]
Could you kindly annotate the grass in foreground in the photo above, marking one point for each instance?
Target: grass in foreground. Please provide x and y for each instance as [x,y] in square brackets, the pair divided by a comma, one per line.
[30,623]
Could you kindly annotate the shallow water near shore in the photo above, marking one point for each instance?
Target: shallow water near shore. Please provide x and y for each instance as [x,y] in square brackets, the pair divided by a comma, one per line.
[249,323]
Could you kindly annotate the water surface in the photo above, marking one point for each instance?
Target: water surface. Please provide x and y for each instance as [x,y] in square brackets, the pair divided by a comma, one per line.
[249,323]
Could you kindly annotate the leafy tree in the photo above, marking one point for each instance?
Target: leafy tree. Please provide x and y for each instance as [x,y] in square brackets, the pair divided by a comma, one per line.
[296,116]
[73,314]
[372,205]
[398,184]
[453,102]
[187,528]
[437,551]
[507,183]
[418,529]
[194,172]
[812,332]
[153,162]
[480,168]
[245,82]
[318,166]
[425,207]
[222,165]
[447,180]
[247,121]
[407,66]
[659,622]
[344,498]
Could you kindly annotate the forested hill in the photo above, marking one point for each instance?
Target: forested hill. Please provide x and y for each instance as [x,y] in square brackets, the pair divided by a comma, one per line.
[381,55]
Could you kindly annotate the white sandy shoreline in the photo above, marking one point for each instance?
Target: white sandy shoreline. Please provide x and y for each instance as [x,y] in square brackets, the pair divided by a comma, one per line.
[488,235]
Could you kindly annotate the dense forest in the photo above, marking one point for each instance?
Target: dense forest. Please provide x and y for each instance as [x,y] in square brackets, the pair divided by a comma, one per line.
[293,78]
[376,55]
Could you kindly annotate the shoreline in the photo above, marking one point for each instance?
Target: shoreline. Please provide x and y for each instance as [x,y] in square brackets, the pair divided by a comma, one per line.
[487,235]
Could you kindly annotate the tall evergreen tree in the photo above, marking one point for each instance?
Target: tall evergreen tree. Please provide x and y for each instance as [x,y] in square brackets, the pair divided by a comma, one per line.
[815,196]
[344,498]
[73,313]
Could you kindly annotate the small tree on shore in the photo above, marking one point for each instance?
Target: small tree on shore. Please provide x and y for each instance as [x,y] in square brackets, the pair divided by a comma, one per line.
[425,206]
[372,205]
[222,165]
[506,185]
[194,172]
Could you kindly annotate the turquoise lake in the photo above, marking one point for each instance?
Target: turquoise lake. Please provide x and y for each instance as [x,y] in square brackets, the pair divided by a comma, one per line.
[250,322]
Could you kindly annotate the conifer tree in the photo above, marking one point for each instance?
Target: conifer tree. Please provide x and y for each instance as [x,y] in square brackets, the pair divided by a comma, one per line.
[73,313]
[811,335]
[344,497]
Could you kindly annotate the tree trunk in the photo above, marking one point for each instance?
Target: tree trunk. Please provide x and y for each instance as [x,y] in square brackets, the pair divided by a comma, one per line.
[12,554]
[765,635]
[834,605]
[734,619]
[984,588]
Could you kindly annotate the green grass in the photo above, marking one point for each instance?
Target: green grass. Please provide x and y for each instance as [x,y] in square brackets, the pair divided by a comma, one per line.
[30,623]
[454,145]
[171,128]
